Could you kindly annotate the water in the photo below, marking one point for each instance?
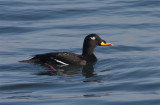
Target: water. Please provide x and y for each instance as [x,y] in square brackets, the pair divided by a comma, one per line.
[125,74]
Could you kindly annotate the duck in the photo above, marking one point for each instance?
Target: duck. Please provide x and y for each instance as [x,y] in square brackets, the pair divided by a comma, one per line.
[91,41]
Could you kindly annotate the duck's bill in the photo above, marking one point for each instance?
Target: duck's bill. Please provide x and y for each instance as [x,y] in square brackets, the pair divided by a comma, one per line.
[106,44]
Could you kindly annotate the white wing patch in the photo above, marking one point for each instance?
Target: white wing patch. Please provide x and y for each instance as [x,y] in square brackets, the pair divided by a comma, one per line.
[61,62]
[93,38]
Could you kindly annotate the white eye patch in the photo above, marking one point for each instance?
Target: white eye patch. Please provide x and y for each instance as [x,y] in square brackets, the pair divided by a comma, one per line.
[93,38]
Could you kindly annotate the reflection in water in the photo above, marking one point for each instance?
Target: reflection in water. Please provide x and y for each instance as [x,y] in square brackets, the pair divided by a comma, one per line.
[87,71]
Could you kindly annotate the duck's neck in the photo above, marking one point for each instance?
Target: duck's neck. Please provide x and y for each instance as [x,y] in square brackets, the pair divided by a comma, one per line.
[88,50]
[89,55]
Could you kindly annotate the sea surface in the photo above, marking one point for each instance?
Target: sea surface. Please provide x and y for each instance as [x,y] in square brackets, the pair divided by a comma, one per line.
[127,73]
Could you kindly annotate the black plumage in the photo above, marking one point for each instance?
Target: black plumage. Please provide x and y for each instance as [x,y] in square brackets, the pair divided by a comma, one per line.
[67,58]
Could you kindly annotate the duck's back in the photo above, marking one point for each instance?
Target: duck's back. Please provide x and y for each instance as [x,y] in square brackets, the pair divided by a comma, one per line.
[64,58]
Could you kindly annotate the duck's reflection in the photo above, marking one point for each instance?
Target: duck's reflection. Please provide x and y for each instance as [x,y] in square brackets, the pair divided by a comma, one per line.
[87,71]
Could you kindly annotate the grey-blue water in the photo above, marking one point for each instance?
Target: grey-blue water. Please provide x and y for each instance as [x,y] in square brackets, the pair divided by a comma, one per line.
[126,74]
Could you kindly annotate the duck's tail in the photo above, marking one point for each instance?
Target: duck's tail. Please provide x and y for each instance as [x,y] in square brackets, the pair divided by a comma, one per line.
[32,60]
[29,61]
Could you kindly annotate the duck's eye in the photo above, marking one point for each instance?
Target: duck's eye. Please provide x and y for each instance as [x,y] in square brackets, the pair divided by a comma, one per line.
[93,38]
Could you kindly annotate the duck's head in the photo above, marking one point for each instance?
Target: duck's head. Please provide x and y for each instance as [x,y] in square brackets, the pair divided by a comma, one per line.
[95,40]
[91,41]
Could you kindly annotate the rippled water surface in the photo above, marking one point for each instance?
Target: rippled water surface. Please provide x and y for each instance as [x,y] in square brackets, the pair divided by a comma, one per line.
[126,74]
